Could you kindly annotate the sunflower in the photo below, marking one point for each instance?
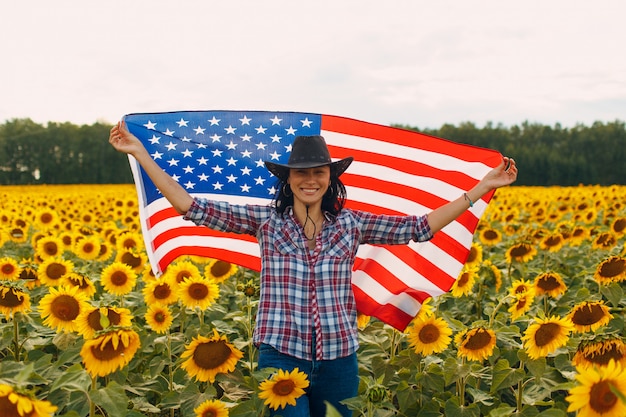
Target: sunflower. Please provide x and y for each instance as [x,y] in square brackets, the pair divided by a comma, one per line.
[211,408]
[198,292]
[162,291]
[13,300]
[16,404]
[589,316]
[494,275]
[129,241]
[600,353]
[209,356]
[464,283]
[362,320]
[599,392]
[136,260]
[220,271]
[110,351]
[520,252]
[53,271]
[182,270]
[283,388]
[475,344]
[523,303]
[552,243]
[29,276]
[159,317]
[611,270]
[429,335]
[49,247]
[18,234]
[118,278]
[550,283]
[61,306]
[578,235]
[249,289]
[88,247]
[9,269]
[426,309]
[544,336]
[94,319]
[619,226]
[475,256]
[605,240]
[84,284]
[521,286]
[490,236]
[46,219]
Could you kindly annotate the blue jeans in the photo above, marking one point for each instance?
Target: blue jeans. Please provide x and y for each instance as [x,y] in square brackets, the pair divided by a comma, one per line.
[332,381]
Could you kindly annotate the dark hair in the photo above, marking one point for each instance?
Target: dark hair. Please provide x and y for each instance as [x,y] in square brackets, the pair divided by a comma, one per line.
[332,202]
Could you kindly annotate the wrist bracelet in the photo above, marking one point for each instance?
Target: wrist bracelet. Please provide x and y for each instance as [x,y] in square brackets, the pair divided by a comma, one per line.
[471,203]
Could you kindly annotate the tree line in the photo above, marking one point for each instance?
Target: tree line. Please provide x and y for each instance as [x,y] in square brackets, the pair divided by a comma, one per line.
[65,153]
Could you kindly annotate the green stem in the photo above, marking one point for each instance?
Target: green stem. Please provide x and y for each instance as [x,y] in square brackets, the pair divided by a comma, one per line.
[92,405]
[460,383]
[520,390]
[16,339]
[393,344]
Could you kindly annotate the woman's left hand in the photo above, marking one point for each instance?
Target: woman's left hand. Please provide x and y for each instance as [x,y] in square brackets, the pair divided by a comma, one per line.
[503,174]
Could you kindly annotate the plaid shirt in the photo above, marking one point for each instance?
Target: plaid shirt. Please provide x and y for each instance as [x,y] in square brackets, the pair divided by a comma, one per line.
[305,291]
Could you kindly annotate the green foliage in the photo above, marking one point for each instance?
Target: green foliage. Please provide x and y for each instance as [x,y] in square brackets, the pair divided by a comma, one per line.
[551,155]
[64,153]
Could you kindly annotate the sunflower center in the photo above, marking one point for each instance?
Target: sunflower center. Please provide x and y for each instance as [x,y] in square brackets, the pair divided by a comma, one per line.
[7,408]
[553,241]
[50,248]
[220,268]
[610,351]
[198,291]
[619,225]
[131,260]
[546,333]
[601,398]
[159,317]
[46,218]
[211,355]
[429,334]
[520,251]
[65,307]
[56,270]
[588,314]
[28,274]
[8,269]
[463,279]
[162,291]
[11,298]
[119,278]
[89,247]
[490,234]
[613,267]
[284,387]
[548,282]
[106,352]
[478,340]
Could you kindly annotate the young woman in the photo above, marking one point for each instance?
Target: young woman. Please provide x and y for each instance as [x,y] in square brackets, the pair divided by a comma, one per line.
[308,241]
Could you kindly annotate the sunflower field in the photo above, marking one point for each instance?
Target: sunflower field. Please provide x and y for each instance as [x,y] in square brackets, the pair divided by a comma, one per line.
[534,325]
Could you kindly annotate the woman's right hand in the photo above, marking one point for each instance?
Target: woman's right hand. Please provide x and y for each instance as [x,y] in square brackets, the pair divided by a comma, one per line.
[124,141]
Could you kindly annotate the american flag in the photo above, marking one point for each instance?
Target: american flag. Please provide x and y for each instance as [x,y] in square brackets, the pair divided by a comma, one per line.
[220,154]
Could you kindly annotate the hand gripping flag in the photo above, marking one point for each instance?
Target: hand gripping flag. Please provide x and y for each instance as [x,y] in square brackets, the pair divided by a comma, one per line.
[220,154]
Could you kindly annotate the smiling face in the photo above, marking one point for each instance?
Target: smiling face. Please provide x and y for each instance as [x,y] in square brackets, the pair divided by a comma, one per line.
[309,184]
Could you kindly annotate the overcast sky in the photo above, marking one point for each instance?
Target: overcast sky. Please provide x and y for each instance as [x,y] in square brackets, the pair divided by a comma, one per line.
[412,62]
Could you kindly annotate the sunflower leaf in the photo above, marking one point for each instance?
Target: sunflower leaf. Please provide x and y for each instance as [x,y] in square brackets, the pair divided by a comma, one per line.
[112,398]
[613,293]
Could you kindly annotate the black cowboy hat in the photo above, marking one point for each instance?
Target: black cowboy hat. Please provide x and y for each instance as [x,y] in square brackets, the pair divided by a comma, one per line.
[308,152]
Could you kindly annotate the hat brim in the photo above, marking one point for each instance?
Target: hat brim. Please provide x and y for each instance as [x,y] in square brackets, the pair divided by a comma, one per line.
[282,170]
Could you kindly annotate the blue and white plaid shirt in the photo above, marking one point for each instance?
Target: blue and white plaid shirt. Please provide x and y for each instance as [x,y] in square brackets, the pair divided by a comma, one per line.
[305,291]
